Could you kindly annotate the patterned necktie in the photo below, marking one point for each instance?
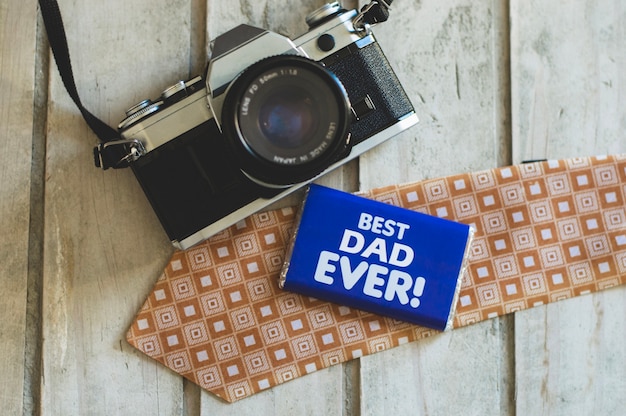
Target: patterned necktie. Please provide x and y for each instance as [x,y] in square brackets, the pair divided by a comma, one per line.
[545,231]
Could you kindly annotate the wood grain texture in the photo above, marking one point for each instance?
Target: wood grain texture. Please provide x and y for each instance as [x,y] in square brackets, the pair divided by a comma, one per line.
[17,63]
[293,397]
[104,247]
[447,54]
[552,84]
[568,77]
[568,88]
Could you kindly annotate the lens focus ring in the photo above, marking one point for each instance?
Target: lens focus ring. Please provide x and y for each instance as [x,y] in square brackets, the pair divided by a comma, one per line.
[287,119]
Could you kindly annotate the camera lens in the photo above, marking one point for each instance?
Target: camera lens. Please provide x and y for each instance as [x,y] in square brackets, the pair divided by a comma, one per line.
[287,119]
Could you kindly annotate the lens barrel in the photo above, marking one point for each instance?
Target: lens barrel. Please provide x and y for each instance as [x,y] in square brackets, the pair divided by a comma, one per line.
[287,119]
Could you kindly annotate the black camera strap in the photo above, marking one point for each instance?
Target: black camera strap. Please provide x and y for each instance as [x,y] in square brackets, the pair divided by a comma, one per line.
[112,152]
[105,156]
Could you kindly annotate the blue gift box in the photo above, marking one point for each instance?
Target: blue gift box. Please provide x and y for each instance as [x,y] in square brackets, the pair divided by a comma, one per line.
[377,257]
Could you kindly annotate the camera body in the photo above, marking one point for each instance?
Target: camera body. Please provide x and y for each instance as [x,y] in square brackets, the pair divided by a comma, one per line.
[269,115]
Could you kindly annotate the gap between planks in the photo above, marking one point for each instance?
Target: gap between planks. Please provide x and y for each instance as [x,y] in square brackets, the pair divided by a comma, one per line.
[33,331]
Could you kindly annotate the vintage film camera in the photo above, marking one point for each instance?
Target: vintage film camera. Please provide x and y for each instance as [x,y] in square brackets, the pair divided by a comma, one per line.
[270,115]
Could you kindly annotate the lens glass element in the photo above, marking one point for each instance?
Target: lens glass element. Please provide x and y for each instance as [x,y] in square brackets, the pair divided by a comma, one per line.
[288,118]
[290,115]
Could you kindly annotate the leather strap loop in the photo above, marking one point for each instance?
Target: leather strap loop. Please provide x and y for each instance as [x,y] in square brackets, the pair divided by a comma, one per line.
[114,156]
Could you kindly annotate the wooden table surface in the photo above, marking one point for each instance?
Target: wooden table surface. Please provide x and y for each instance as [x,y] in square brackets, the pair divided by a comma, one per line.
[493,82]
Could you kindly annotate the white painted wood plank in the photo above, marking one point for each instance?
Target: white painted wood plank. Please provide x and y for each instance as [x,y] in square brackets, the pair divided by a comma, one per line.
[571,356]
[321,392]
[568,78]
[451,56]
[568,88]
[104,247]
[17,62]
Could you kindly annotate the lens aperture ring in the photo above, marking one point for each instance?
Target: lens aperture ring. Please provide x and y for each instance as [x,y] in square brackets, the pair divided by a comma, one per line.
[287,119]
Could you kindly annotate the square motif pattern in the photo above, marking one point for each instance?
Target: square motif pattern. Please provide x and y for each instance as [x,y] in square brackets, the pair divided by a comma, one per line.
[545,231]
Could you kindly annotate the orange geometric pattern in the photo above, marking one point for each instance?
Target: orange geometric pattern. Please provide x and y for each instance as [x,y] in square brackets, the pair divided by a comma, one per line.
[545,231]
